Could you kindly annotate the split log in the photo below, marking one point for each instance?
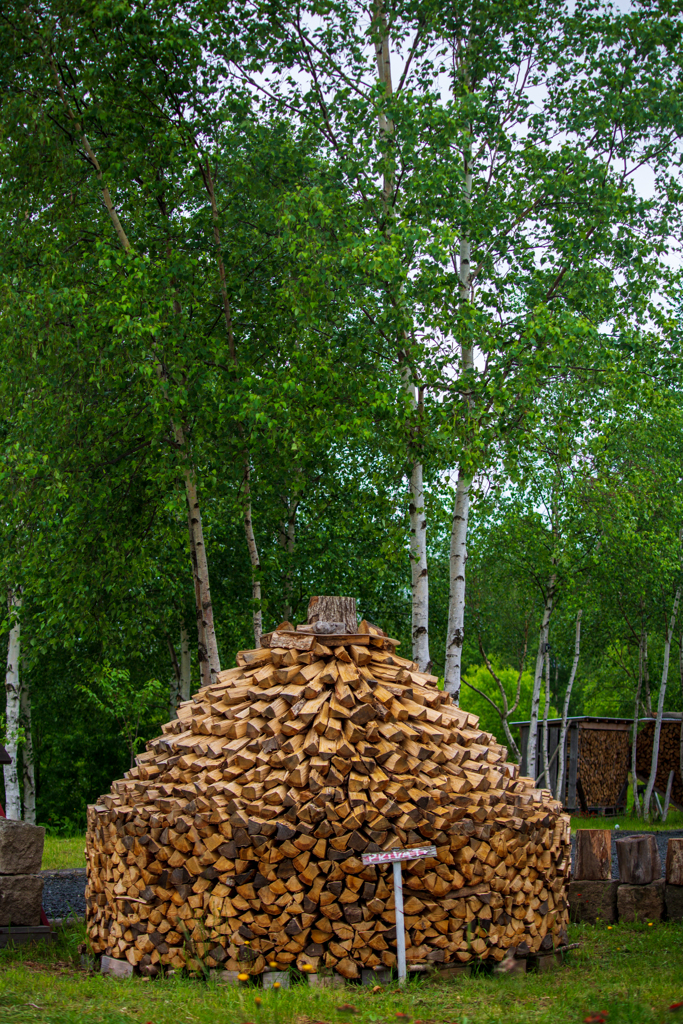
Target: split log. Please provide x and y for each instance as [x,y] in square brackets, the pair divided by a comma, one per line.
[674,862]
[638,858]
[593,855]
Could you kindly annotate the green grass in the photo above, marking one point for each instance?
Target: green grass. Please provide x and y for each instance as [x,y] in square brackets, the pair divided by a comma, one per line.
[634,972]
[673,821]
[64,853]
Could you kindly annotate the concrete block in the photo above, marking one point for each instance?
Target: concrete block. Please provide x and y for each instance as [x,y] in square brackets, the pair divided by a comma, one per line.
[382,976]
[116,968]
[641,902]
[453,971]
[224,977]
[20,899]
[22,936]
[326,981]
[673,900]
[548,962]
[272,978]
[21,847]
[593,901]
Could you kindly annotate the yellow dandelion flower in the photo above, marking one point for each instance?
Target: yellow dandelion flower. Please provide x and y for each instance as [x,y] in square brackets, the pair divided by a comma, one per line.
[258,1000]
[276,984]
[307,967]
[273,964]
[242,977]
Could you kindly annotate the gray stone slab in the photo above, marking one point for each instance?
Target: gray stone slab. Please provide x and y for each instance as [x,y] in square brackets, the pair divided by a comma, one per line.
[641,902]
[22,936]
[673,901]
[21,847]
[593,901]
[382,976]
[271,978]
[116,968]
[326,981]
[20,899]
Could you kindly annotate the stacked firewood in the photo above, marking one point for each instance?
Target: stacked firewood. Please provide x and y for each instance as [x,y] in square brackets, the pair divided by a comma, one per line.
[237,839]
[669,757]
[603,765]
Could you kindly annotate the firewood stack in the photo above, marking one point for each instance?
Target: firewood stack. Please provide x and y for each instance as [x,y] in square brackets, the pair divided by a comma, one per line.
[603,765]
[669,757]
[237,839]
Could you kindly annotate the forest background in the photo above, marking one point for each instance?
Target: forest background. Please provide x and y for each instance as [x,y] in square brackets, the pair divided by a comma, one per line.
[334,297]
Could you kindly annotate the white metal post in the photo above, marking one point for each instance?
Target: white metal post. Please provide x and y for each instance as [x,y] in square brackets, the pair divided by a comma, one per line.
[400,923]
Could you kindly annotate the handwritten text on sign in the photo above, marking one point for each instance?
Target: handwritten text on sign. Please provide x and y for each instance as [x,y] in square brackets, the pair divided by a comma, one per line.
[388,856]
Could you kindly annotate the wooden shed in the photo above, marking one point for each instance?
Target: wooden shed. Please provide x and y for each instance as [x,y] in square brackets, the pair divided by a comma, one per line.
[597,754]
[669,759]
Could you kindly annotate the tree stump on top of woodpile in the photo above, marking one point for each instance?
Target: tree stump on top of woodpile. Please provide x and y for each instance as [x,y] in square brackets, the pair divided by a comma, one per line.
[593,855]
[238,837]
[334,609]
[674,862]
[638,858]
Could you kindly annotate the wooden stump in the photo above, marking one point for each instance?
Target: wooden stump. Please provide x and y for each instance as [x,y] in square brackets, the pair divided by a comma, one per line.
[639,862]
[593,855]
[674,862]
[334,609]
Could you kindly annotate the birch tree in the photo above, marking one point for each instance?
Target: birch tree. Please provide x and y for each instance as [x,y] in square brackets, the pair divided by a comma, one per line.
[13,708]
[468,174]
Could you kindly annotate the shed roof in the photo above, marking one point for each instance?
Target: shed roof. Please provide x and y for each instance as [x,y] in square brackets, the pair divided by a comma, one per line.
[669,716]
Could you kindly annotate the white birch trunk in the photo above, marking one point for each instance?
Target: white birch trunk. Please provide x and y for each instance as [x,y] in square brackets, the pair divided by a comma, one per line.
[13,710]
[559,789]
[419,575]
[532,744]
[29,771]
[257,614]
[418,570]
[660,707]
[208,645]
[634,741]
[287,540]
[546,710]
[185,664]
[455,634]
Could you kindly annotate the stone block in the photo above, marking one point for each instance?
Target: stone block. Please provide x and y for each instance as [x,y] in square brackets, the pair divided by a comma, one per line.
[23,936]
[21,847]
[548,962]
[673,900]
[20,899]
[224,977]
[272,978]
[116,968]
[593,901]
[453,971]
[326,981]
[382,976]
[641,902]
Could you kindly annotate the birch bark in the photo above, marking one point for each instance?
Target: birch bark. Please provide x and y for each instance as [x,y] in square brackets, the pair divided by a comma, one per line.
[660,708]
[532,744]
[634,741]
[29,768]
[546,709]
[185,664]
[455,634]
[287,539]
[13,709]
[559,789]
[256,614]
[419,573]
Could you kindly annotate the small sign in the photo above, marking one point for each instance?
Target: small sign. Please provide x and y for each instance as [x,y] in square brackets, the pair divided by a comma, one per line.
[390,856]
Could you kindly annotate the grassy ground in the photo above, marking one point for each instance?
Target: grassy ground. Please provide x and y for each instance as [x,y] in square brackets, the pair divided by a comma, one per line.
[633,972]
[674,820]
[64,853]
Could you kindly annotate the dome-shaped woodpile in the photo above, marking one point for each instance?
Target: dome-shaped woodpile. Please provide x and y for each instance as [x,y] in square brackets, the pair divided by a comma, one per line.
[238,837]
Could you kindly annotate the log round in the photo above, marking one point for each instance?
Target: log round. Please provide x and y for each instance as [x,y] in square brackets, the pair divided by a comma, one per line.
[674,862]
[638,859]
[236,841]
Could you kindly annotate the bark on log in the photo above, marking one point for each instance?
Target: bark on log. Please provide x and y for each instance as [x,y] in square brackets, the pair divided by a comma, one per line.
[593,855]
[674,862]
[638,858]
[334,609]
